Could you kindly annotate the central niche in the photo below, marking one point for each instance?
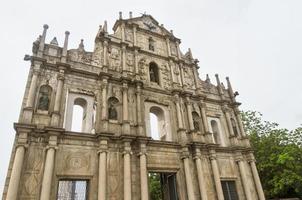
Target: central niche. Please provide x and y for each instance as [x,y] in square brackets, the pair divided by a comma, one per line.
[153,73]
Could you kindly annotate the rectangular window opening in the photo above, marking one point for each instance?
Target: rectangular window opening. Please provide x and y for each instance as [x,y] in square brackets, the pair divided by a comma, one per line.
[229,190]
[162,186]
[72,190]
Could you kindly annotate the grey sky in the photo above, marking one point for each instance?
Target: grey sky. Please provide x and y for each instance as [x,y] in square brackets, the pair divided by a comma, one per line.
[255,42]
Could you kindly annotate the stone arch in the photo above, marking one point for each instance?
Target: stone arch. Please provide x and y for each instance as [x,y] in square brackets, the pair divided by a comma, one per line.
[160,116]
[44,97]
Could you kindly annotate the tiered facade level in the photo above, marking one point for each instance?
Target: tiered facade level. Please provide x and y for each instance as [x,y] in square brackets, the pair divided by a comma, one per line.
[200,151]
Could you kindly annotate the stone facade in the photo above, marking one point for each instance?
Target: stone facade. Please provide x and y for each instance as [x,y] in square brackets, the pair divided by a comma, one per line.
[137,70]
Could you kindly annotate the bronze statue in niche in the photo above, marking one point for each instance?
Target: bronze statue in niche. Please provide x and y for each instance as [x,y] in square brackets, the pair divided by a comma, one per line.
[112,111]
[44,97]
[153,72]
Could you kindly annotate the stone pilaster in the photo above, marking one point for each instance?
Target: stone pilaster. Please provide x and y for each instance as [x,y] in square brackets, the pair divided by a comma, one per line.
[216,174]
[64,51]
[102,179]
[105,55]
[168,46]
[21,145]
[124,65]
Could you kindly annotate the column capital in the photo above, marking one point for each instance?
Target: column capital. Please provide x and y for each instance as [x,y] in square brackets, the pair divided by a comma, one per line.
[225,109]
[51,147]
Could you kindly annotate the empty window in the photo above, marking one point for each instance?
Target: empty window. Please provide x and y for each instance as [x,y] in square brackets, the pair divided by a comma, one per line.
[229,190]
[44,97]
[79,115]
[162,186]
[72,190]
[153,72]
[112,108]
[158,124]
[234,127]
[215,131]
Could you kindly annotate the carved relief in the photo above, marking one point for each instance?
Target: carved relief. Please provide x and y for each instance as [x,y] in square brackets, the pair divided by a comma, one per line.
[77,161]
[166,76]
[80,56]
[115,59]
[130,62]
[31,184]
[142,65]
[188,76]
[129,35]
[173,49]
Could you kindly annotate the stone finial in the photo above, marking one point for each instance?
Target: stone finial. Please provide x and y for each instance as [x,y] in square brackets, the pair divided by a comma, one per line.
[45,26]
[105,27]
[54,41]
[42,41]
[171,31]
[120,15]
[208,80]
[130,15]
[64,52]
[190,53]
[81,45]
[217,79]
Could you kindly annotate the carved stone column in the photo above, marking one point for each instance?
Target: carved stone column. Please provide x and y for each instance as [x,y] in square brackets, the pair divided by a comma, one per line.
[243,175]
[238,117]
[200,174]
[143,171]
[196,79]
[139,109]
[190,117]
[127,170]
[28,110]
[104,110]
[136,63]
[124,59]
[98,108]
[134,36]
[232,136]
[13,186]
[182,79]
[55,118]
[207,133]
[105,55]
[126,124]
[216,174]
[48,167]
[178,50]
[256,178]
[168,46]
[64,51]
[188,175]
[42,41]
[102,179]
[178,112]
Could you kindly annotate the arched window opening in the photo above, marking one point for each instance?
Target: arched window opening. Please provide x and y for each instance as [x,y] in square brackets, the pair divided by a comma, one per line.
[215,131]
[112,108]
[79,115]
[44,97]
[153,72]
[154,126]
[234,127]
[196,121]
[151,44]
[158,124]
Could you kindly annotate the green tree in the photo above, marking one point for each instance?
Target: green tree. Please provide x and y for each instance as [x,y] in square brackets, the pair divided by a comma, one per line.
[155,186]
[279,155]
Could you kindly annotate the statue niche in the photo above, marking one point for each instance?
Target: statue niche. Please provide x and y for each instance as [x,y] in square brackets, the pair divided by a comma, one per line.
[153,72]
[112,110]
[44,97]
[196,120]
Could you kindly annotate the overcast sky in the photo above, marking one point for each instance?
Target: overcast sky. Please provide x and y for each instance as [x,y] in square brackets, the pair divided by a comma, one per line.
[257,43]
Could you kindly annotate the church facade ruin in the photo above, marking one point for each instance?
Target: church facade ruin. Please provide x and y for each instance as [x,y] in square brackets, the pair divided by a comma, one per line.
[145,113]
